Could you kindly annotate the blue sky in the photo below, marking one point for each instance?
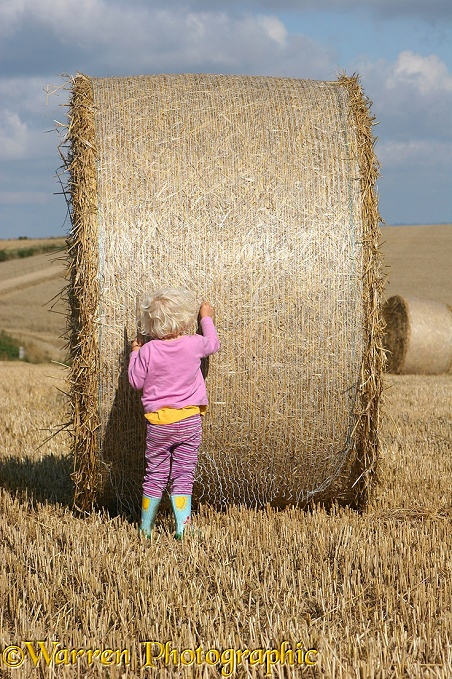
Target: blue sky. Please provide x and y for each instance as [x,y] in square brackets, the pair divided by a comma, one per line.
[402,50]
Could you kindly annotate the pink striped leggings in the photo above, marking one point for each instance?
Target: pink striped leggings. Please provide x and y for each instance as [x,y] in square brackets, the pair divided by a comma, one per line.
[171,456]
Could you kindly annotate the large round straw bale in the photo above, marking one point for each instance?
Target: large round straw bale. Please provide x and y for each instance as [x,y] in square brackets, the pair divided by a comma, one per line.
[258,194]
[418,335]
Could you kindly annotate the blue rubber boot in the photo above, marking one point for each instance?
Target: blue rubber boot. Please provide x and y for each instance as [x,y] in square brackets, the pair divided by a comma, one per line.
[182,513]
[149,508]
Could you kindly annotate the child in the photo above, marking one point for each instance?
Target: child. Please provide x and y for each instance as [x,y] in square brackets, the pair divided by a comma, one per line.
[168,370]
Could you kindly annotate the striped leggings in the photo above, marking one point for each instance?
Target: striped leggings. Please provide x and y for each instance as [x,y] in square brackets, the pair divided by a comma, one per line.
[171,456]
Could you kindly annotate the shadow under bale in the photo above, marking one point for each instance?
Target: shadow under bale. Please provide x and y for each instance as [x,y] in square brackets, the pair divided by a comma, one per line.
[44,480]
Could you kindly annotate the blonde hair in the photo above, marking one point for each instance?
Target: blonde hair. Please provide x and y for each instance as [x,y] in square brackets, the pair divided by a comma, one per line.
[169,312]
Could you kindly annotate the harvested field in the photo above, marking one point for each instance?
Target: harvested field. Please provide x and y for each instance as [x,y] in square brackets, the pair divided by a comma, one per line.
[41,265]
[30,307]
[25,243]
[418,261]
[370,592]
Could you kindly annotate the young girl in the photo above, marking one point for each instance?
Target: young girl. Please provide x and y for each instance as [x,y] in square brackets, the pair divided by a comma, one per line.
[168,370]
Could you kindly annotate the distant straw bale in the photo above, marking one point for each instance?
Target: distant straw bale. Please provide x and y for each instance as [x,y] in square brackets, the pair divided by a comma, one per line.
[258,194]
[418,335]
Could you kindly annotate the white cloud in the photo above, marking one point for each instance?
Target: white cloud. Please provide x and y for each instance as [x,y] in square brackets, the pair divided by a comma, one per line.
[412,98]
[412,101]
[26,117]
[275,29]
[14,136]
[209,41]
[426,74]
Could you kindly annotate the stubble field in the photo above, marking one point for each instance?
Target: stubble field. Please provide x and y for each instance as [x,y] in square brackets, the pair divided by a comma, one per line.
[370,594]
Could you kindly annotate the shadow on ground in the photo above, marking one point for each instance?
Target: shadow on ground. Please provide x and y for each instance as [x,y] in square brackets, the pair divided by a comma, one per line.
[45,480]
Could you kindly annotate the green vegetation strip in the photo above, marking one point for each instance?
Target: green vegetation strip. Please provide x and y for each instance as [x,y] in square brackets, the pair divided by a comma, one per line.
[9,347]
[19,253]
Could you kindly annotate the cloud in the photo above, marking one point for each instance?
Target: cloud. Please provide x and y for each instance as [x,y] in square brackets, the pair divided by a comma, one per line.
[113,25]
[412,96]
[14,136]
[425,74]
[25,117]
[412,100]
[274,29]
[106,38]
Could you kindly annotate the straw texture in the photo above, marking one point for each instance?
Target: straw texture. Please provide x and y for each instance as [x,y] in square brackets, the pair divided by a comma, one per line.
[258,194]
[83,293]
[418,335]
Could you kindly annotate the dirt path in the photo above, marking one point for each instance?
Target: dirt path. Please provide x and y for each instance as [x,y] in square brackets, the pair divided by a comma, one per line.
[29,279]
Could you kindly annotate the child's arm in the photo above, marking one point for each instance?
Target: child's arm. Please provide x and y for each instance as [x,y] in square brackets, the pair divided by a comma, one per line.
[211,343]
[137,367]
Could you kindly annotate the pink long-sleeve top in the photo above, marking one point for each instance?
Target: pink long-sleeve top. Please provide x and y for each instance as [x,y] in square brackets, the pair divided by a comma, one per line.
[169,371]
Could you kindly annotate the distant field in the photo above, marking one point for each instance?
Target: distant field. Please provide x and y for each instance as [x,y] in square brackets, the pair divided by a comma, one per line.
[18,243]
[419,260]
[30,307]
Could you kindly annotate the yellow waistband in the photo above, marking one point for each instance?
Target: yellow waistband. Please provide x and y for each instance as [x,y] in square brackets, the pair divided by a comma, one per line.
[171,415]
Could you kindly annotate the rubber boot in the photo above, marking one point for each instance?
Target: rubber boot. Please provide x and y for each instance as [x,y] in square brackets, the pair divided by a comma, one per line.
[149,508]
[182,513]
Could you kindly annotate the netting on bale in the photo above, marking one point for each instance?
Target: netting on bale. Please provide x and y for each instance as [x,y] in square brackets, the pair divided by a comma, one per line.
[418,335]
[258,194]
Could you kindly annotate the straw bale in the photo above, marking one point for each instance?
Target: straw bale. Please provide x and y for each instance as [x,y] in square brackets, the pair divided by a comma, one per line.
[258,194]
[418,335]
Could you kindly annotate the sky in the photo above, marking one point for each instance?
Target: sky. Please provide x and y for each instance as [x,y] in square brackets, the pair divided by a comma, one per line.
[401,49]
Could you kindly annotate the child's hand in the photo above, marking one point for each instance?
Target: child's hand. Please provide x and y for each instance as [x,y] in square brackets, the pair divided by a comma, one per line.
[206,310]
[136,344]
